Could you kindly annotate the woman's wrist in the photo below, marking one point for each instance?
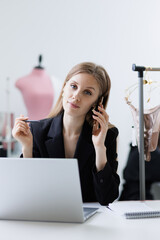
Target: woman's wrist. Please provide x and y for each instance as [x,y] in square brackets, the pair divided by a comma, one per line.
[27,152]
[100,148]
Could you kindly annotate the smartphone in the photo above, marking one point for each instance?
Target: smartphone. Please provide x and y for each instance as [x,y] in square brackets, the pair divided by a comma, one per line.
[100,101]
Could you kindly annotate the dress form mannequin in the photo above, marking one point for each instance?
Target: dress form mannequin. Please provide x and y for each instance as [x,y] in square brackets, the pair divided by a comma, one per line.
[37,92]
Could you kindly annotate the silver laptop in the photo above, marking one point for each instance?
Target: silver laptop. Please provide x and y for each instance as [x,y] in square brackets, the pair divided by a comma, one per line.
[41,190]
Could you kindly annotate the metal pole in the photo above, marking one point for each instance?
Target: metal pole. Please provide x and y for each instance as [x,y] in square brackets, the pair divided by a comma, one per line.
[152,69]
[140,70]
[141,140]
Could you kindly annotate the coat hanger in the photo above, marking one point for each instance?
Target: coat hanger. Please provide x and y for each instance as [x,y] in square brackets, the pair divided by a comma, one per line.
[150,87]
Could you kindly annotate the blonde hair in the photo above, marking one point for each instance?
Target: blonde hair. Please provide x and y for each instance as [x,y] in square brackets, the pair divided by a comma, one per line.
[102,78]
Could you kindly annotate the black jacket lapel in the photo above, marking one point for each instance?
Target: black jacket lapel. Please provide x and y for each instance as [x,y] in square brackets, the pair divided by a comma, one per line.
[85,146]
[54,143]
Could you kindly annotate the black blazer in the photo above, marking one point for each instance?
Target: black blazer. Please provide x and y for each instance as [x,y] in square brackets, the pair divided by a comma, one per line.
[48,143]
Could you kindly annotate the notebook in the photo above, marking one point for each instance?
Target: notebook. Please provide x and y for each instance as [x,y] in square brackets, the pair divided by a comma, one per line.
[136,209]
[41,190]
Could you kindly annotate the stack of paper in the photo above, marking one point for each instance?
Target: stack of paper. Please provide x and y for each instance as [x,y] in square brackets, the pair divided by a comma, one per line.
[136,209]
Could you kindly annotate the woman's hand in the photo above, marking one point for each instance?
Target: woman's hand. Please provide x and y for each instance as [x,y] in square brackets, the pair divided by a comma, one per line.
[99,132]
[100,126]
[21,132]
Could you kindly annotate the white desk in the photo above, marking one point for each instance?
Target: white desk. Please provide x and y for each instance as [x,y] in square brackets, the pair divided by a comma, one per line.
[103,225]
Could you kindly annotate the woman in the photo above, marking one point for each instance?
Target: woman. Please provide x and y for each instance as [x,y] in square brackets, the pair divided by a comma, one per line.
[78,127]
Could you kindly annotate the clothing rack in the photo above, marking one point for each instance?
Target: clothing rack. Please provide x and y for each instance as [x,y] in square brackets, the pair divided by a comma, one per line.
[140,70]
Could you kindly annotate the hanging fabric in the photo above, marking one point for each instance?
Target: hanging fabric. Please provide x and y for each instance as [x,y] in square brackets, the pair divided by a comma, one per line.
[151,127]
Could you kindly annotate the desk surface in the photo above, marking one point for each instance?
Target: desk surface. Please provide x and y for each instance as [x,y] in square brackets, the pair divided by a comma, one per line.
[103,225]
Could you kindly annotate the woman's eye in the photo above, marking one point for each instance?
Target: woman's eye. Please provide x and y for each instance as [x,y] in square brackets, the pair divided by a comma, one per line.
[73,86]
[88,92]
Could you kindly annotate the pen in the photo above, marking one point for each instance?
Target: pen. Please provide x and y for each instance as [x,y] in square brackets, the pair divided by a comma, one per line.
[109,208]
[31,121]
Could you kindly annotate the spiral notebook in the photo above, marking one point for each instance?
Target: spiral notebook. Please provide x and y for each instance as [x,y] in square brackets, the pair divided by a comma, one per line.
[136,209]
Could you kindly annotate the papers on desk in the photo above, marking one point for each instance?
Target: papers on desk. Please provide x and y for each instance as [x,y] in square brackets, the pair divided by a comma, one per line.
[135,209]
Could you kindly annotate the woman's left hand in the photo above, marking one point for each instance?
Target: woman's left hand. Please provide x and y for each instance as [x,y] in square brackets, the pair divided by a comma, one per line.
[100,126]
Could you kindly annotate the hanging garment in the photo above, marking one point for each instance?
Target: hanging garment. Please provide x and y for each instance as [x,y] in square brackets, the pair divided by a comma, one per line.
[151,128]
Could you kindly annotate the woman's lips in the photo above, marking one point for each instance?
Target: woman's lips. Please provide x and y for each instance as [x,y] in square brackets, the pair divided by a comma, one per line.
[73,105]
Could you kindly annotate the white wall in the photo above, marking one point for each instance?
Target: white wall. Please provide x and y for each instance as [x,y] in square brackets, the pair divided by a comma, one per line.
[113,33]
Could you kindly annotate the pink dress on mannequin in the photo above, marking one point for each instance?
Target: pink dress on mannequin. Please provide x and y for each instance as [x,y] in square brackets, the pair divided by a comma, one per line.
[38,94]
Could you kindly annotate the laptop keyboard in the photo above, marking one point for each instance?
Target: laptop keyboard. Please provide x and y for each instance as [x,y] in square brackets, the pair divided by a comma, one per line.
[89,212]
